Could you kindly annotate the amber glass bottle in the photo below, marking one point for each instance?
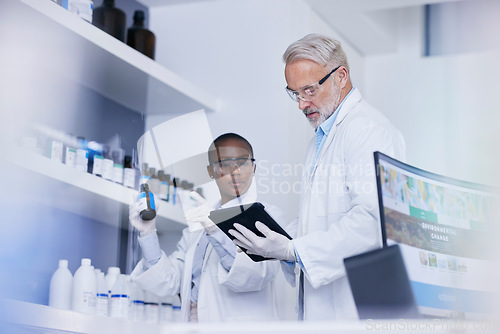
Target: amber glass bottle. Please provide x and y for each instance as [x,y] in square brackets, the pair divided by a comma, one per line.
[141,38]
[110,19]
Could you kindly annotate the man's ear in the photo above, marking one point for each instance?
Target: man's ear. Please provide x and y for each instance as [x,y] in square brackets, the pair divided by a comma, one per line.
[343,76]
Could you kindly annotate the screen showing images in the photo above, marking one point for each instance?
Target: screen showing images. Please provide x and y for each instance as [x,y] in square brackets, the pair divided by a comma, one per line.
[446,231]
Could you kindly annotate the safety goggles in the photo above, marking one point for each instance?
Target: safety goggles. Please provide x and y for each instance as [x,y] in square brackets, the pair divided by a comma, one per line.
[228,166]
[309,92]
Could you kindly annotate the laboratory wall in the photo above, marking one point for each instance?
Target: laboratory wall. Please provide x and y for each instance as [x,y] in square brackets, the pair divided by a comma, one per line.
[445,105]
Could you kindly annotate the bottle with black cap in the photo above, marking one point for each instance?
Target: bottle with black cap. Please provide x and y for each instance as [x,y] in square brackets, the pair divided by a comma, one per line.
[141,38]
[147,205]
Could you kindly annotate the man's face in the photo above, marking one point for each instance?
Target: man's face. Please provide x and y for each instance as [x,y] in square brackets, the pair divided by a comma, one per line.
[234,181]
[302,73]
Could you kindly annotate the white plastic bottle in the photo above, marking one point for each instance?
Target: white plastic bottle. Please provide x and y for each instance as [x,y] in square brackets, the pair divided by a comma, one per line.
[177,313]
[61,285]
[151,308]
[118,303]
[166,315]
[113,273]
[136,311]
[84,289]
[102,295]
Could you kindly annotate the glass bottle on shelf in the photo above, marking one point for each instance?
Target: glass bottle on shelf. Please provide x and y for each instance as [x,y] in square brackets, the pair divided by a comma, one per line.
[140,38]
[129,173]
[110,19]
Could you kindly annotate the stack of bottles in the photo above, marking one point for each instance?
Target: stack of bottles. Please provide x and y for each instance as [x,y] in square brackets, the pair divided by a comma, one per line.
[111,295]
[101,160]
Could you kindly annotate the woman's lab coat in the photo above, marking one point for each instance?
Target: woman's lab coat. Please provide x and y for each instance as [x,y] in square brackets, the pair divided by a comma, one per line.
[246,292]
[338,214]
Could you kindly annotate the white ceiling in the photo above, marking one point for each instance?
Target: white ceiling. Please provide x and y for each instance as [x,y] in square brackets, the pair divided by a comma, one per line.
[370,26]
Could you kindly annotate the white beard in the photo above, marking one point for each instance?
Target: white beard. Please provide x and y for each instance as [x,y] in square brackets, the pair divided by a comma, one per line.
[326,111]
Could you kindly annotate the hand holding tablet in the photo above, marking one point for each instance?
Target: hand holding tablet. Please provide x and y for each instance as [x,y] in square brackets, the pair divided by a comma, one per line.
[246,217]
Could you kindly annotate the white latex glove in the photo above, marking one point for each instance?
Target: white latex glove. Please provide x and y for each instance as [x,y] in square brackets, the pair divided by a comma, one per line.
[273,245]
[143,226]
[197,216]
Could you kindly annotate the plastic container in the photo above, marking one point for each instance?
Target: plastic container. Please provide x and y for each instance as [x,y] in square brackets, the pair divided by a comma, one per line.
[61,285]
[177,313]
[141,38]
[151,308]
[110,19]
[55,150]
[119,298]
[70,156]
[136,311]
[84,289]
[166,313]
[111,277]
[82,155]
[102,303]
[97,165]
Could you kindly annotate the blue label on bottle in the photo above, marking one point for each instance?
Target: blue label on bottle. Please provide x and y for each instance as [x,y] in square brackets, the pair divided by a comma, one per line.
[152,201]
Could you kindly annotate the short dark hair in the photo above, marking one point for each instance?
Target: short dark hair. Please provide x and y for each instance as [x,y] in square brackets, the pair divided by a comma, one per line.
[227,136]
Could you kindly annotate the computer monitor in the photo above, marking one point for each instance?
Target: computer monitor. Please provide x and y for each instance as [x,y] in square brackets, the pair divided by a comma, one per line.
[447,233]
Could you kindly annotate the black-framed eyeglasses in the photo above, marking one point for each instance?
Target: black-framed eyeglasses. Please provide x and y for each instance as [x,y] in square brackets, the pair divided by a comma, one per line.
[228,166]
[308,92]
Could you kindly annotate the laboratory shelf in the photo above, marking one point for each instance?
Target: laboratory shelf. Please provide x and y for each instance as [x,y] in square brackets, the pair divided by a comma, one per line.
[171,217]
[36,318]
[68,45]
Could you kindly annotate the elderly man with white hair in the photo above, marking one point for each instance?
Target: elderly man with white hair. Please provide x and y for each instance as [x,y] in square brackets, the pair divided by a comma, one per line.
[338,213]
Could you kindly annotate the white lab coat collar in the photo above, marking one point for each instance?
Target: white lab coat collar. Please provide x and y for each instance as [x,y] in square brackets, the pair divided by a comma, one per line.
[348,105]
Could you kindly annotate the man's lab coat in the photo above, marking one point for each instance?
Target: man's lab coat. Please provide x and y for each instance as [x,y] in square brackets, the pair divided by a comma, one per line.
[339,214]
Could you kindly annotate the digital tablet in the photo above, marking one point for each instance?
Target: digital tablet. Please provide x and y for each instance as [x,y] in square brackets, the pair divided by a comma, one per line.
[246,215]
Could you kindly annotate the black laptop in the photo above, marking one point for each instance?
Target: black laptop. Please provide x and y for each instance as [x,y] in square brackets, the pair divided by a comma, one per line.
[380,285]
